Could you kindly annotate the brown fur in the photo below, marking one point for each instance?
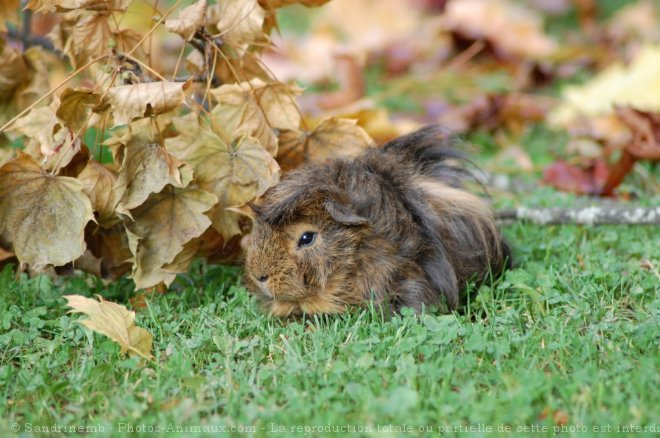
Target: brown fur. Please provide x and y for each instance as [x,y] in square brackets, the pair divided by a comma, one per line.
[393,226]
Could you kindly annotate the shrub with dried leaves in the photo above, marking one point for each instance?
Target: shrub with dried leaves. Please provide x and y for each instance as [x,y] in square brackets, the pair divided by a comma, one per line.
[138,144]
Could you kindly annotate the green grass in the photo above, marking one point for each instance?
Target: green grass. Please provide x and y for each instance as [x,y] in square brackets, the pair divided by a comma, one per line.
[573,332]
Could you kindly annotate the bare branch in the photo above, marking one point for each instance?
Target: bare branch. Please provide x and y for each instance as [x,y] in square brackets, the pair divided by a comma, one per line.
[588,215]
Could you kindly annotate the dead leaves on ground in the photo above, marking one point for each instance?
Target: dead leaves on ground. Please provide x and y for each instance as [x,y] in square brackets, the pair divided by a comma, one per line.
[114,321]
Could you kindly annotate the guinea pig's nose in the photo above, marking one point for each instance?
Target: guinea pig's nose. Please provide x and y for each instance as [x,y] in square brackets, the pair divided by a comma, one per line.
[262,278]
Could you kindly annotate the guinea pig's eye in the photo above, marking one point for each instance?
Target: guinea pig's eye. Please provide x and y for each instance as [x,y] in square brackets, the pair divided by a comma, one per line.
[307,238]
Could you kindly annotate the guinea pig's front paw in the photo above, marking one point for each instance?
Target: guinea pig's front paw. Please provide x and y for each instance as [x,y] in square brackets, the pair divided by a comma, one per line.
[309,306]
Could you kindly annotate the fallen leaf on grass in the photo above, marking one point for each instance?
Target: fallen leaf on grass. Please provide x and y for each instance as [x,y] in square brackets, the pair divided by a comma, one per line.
[114,321]
[575,179]
[511,28]
[636,85]
[645,127]
[42,215]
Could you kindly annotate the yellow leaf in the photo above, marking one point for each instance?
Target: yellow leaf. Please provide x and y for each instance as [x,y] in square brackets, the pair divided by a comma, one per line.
[98,182]
[332,138]
[241,22]
[257,109]
[114,321]
[131,102]
[75,107]
[162,226]
[637,85]
[147,168]
[189,21]
[42,215]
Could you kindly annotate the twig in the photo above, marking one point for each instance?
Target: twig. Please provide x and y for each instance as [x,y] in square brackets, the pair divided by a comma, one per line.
[589,215]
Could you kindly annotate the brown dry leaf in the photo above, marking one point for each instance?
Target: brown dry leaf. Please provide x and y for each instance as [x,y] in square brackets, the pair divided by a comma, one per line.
[512,28]
[42,215]
[256,109]
[23,79]
[240,22]
[89,38]
[45,6]
[39,125]
[131,102]
[114,321]
[189,21]
[332,138]
[146,169]
[12,72]
[98,182]
[111,246]
[75,107]
[162,226]
[236,172]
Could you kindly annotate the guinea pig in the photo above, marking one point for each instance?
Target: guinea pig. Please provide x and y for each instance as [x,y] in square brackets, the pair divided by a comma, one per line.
[394,226]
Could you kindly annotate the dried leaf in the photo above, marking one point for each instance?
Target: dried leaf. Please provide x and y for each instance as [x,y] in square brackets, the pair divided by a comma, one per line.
[131,102]
[332,138]
[241,22]
[98,182]
[575,179]
[637,85]
[256,109]
[89,38]
[236,172]
[75,107]
[45,6]
[114,321]
[274,4]
[147,168]
[12,72]
[162,226]
[189,21]
[42,215]
[510,27]
[111,246]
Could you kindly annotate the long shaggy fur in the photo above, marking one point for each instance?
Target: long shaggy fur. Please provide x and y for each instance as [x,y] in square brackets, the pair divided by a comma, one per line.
[394,226]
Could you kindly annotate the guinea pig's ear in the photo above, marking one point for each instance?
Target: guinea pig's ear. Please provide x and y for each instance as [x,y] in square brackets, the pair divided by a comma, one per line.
[343,214]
